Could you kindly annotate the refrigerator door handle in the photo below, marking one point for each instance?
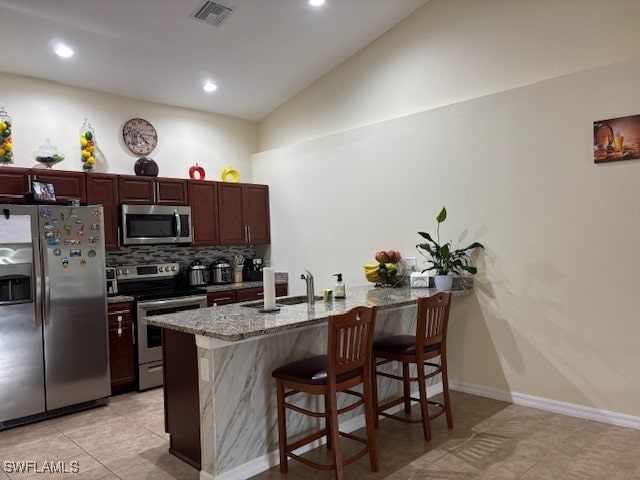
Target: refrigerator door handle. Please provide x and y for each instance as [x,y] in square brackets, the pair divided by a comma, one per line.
[45,291]
[37,265]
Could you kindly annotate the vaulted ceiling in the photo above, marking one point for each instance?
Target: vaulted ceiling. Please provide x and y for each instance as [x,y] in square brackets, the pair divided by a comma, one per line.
[263,53]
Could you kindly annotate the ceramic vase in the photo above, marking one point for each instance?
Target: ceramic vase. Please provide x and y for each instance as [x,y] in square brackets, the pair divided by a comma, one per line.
[443,282]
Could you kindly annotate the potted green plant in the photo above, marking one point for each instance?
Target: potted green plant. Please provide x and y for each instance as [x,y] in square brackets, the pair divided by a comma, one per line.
[443,259]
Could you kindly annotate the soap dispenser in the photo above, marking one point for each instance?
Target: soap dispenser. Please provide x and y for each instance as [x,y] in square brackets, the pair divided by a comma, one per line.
[338,290]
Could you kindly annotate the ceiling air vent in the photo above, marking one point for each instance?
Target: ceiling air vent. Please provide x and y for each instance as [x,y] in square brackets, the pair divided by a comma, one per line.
[211,13]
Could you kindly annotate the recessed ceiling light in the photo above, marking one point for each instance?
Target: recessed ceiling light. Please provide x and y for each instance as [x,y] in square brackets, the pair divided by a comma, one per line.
[316,3]
[210,87]
[63,50]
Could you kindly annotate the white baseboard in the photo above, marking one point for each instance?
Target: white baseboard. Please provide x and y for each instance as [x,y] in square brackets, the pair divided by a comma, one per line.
[271,459]
[550,405]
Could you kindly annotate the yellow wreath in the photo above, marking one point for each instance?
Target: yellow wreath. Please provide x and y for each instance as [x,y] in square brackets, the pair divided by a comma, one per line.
[235,176]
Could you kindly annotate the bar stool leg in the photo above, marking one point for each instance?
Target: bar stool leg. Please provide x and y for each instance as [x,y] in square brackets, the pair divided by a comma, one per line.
[368,389]
[406,387]
[445,389]
[422,386]
[335,434]
[282,427]
[374,387]
[327,421]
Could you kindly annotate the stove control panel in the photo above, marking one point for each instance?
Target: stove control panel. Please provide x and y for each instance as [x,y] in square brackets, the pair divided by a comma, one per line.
[142,272]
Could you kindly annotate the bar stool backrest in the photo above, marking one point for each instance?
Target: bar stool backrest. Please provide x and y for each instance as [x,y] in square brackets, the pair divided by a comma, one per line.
[432,320]
[350,340]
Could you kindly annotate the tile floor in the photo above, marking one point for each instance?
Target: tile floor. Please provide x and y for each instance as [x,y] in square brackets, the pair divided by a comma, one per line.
[491,440]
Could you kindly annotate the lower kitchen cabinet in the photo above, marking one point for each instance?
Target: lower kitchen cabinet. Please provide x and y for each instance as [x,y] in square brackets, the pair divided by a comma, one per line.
[257,293]
[122,358]
[181,397]
[221,298]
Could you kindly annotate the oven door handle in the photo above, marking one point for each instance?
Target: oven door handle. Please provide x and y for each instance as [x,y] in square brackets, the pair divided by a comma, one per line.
[173,302]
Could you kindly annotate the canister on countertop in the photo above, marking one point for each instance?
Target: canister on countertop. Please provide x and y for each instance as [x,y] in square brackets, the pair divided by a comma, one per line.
[327,294]
[419,280]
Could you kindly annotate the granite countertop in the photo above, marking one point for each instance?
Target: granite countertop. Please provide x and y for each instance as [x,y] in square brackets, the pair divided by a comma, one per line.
[235,322]
[120,298]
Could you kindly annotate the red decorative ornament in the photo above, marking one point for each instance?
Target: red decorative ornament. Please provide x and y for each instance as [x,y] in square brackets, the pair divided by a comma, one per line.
[196,172]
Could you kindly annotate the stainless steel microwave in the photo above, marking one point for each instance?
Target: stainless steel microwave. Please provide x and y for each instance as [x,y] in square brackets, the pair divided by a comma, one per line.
[154,224]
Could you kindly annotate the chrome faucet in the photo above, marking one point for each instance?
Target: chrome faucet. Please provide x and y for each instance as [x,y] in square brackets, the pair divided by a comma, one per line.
[311,296]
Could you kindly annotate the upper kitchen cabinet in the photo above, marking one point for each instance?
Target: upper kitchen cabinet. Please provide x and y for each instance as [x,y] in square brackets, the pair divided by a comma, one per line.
[102,189]
[152,190]
[67,185]
[243,214]
[14,182]
[204,218]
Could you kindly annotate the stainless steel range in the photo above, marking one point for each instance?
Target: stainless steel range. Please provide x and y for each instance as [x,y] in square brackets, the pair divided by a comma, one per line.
[156,291]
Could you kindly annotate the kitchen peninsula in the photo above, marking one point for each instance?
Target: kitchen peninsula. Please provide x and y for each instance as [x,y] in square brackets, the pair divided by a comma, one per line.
[237,349]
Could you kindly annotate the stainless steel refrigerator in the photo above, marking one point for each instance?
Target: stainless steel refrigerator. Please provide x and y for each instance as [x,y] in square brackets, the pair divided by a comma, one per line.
[54,353]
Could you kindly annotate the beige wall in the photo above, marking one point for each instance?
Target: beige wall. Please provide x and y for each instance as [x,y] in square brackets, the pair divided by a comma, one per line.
[555,313]
[453,50]
[43,109]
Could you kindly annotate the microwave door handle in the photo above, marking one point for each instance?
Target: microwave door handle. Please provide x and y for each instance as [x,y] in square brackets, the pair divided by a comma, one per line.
[178,226]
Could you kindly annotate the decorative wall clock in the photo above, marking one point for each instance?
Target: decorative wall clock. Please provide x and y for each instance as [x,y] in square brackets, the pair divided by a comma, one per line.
[139,136]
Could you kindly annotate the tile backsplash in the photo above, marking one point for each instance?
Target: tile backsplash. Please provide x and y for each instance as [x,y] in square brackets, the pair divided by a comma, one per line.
[183,255]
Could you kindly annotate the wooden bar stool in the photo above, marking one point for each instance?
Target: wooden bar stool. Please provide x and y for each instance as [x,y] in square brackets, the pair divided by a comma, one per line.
[430,341]
[348,363]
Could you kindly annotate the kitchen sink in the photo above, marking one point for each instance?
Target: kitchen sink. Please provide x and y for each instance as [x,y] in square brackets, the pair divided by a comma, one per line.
[282,301]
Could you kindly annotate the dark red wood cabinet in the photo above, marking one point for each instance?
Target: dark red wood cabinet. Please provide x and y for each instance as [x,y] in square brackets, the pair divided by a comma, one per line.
[204,212]
[14,182]
[152,190]
[257,293]
[121,347]
[102,189]
[243,214]
[67,185]
[256,214]
[221,298]
[181,397]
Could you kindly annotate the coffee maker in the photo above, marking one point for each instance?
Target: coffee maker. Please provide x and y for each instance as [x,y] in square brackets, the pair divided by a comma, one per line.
[252,271]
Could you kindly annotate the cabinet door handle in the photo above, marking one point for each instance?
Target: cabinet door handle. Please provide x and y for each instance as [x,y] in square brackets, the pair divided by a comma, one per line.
[223,298]
[120,326]
[156,193]
[133,333]
[260,294]
[249,233]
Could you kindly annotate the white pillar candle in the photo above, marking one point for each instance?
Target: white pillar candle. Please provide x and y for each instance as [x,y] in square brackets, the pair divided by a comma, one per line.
[269,284]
